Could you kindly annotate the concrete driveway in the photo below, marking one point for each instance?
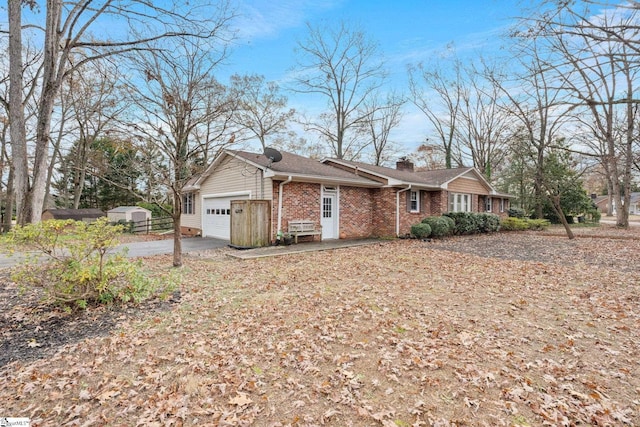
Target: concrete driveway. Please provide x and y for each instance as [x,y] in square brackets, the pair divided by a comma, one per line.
[140,249]
[160,247]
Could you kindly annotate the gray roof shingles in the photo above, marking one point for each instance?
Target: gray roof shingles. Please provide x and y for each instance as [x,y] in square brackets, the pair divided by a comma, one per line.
[293,164]
[434,178]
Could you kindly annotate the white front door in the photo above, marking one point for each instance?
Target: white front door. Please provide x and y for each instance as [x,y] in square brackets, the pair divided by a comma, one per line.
[329,212]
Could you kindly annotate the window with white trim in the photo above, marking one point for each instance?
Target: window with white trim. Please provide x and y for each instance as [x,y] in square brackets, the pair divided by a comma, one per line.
[188,204]
[488,204]
[459,202]
[414,201]
[501,205]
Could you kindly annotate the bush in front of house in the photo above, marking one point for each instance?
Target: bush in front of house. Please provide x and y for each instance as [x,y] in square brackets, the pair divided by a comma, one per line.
[450,223]
[74,263]
[516,213]
[441,226]
[538,224]
[466,222]
[421,230]
[488,222]
[513,223]
[519,224]
[474,222]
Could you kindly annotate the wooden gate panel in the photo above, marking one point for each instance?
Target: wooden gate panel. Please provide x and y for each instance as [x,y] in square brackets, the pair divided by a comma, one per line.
[250,223]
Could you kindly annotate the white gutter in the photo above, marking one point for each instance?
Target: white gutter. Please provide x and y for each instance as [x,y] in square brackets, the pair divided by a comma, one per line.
[398,208]
[282,184]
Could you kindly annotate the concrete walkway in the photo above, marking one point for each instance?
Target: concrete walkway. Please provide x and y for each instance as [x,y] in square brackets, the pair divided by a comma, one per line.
[299,248]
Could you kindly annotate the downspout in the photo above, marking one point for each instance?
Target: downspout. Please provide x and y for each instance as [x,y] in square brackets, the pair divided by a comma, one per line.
[398,208]
[282,184]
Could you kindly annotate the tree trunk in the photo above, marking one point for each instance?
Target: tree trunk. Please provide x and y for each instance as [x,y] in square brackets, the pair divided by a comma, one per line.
[8,204]
[609,197]
[54,159]
[557,208]
[177,229]
[80,173]
[16,113]
[50,86]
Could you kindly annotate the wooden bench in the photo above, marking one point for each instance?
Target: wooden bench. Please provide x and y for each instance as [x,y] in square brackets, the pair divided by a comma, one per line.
[303,227]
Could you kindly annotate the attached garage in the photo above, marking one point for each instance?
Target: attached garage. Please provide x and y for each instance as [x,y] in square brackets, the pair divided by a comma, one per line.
[216,215]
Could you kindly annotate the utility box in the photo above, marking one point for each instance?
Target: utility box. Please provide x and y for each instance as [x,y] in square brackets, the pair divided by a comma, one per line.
[250,223]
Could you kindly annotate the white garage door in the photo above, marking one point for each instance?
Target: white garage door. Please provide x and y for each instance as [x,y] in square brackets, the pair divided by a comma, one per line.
[216,217]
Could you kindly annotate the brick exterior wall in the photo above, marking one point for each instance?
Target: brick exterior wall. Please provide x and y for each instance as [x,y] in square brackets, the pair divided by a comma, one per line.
[364,212]
[384,212]
[407,218]
[300,201]
[356,212]
[495,206]
[439,202]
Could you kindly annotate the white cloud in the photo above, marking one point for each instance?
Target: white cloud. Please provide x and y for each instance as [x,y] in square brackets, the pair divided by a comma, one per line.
[267,18]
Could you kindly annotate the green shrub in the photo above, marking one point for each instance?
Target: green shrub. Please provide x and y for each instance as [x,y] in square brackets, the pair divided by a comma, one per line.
[474,222]
[519,224]
[487,222]
[514,224]
[594,215]
[450,223]
[465,223]
[440,226]
[538,224]
[74,263]
[516,212]
[421,230]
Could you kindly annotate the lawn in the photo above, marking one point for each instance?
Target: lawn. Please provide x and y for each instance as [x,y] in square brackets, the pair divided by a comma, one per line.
[521,329]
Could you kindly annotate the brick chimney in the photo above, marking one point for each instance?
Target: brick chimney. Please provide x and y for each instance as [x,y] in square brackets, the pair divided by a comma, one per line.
[404,164]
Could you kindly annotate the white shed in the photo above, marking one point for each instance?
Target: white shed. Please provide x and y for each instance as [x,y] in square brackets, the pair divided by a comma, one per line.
[135,214]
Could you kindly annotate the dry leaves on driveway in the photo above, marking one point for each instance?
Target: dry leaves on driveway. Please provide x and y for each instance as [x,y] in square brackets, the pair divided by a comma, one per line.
[401,333]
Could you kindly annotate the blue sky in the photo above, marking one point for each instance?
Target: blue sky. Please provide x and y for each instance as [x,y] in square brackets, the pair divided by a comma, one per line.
[408,31]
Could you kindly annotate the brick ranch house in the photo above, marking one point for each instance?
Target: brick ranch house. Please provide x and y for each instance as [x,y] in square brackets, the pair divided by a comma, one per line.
[343,199]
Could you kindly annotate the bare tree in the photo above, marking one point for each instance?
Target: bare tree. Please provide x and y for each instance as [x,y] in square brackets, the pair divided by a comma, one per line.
[384,115]
[429,156]
[539,108]
[29,74]
[180,108]
[439,95]
[67,31]
[6,170]
[600,72]
[294,143]
[342,65]
[95,101]
[262,109]
[18,133]
[484,126]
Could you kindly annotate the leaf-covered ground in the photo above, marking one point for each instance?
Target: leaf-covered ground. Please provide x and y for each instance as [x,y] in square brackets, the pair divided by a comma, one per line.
[507,329]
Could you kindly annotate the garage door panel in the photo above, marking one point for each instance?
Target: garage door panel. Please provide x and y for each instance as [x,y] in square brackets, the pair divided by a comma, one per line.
[216,216]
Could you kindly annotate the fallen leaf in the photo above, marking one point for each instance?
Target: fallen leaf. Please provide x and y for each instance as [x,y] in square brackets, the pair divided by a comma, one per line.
[240,399]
